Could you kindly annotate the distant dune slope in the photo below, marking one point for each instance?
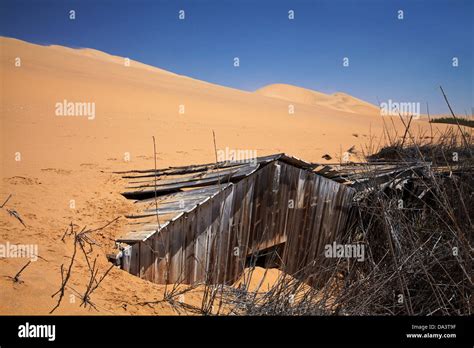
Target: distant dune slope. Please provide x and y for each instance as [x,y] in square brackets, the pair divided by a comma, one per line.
[337,101]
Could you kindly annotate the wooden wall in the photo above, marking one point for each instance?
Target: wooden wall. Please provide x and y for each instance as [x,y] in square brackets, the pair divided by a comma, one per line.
[279,203]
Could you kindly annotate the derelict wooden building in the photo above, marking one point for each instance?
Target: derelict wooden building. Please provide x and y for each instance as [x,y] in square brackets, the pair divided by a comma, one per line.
[213,218]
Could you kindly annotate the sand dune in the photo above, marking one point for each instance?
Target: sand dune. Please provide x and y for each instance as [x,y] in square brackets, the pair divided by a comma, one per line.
[135,102]
[337,101]
[48,160]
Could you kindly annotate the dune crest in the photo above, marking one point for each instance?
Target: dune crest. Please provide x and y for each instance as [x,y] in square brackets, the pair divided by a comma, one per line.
[337,101]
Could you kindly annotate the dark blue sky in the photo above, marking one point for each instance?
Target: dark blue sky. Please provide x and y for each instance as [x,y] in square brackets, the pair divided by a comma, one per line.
[403,60]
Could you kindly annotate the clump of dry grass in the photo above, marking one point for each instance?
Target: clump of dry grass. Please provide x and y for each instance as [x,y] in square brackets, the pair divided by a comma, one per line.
[418,234]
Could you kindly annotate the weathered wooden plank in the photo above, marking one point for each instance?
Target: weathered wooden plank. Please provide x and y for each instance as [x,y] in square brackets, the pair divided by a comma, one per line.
[135,259]
[167,180]
[176,205]
[305,221]
[227,211]
[181,170]
[315,221]
[161,255]
[247,218]
[290,248]
[146,260]
[176,250]
[265,231]
[126,258]
[214,240]
[189,232]
[201,192]
[277,234]
[237,253]
[149,190]
[203,227]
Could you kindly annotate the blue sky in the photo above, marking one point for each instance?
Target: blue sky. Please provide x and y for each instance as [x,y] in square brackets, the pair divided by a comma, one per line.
[403,60]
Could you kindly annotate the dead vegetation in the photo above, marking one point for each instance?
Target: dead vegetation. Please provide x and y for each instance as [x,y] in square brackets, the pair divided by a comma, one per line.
[418,233]
[16,277]
[12,212]
[84,242]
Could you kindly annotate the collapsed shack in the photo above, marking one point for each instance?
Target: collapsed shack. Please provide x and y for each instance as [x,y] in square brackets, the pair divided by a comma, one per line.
[214,220]
[411,210]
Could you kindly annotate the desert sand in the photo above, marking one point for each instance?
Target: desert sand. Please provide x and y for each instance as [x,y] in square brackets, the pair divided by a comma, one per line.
[48,160]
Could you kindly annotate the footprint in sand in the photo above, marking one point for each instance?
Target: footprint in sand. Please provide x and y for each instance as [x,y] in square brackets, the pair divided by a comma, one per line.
[21,180]
[57,171]
[89,165]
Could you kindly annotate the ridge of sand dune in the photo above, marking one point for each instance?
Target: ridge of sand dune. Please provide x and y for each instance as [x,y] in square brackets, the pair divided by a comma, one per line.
[337,101]
[25,50]
[96,54]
